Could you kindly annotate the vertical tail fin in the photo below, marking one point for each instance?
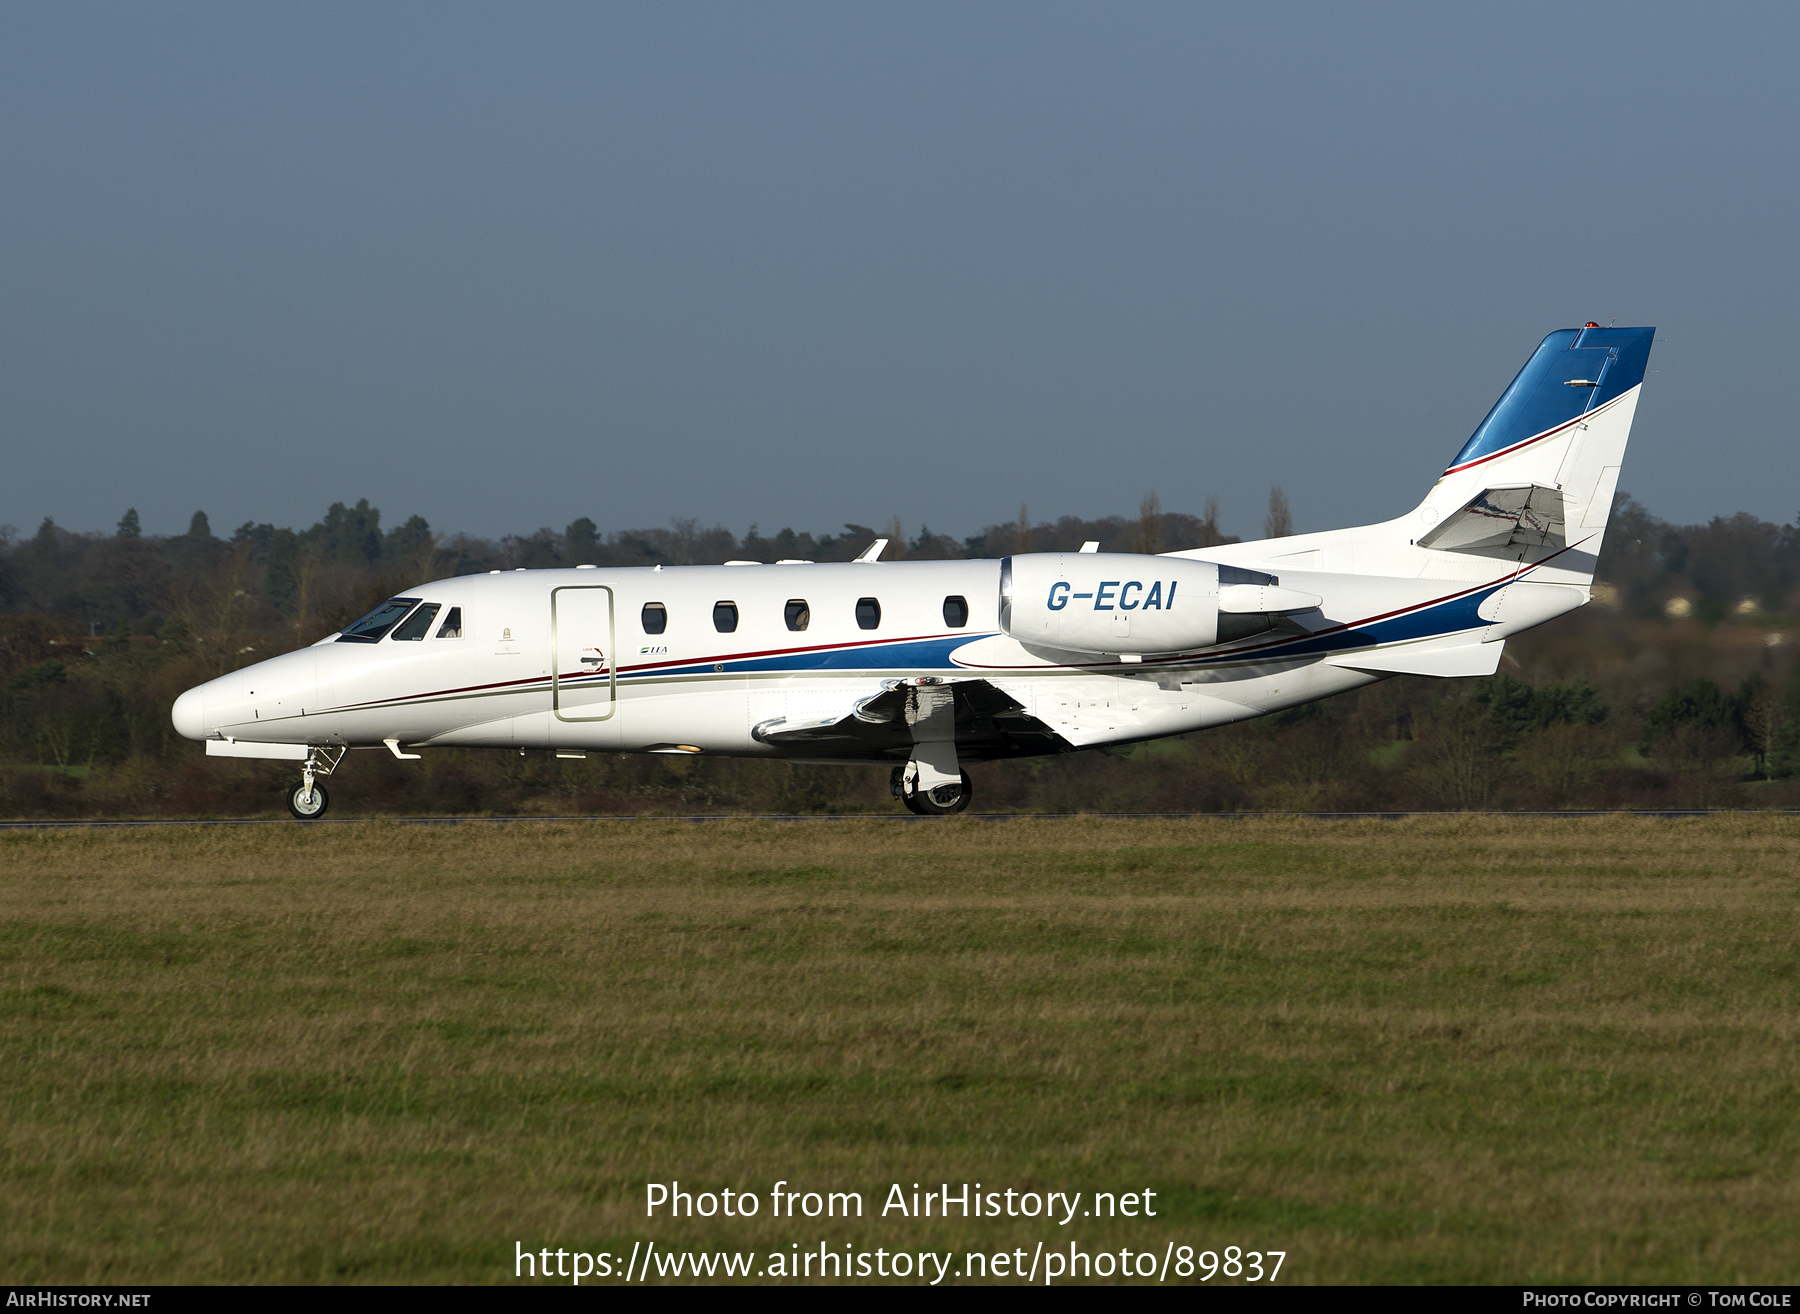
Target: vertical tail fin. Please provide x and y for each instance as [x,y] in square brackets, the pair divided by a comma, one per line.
[1573,374]
[1553,445]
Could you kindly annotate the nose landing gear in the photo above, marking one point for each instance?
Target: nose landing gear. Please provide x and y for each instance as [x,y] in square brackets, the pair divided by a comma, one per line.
[306,797]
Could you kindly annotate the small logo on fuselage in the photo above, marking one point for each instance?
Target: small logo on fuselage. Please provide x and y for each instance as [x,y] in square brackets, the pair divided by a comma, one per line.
[1114,595]
[642,651]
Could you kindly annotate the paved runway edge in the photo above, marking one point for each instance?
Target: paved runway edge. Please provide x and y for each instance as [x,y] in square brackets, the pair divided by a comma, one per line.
[1665,814]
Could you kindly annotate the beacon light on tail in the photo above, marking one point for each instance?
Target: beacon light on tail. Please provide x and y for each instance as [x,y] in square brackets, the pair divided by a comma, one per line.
[925,667]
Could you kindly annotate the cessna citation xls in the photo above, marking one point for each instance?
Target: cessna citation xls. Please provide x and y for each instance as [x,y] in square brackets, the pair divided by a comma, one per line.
[924,666]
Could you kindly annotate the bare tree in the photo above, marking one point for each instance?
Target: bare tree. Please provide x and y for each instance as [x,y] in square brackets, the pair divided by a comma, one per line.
[1278,523]
[1022,536]
[1210,533]
[309,571]
[1460,758]
[420,564]
[683,541]
[213,597]
[1150,526]
[896,537]
[1763,720]
[1563,759]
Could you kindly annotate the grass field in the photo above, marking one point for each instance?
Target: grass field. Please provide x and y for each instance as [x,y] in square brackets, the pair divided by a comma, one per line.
[1435,1050]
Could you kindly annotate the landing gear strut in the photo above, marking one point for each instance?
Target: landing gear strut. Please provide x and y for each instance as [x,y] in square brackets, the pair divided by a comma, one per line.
[306,798]
[939,802]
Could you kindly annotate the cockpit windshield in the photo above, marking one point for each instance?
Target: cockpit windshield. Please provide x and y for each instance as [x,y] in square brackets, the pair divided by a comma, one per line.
[416,624]
[378,622]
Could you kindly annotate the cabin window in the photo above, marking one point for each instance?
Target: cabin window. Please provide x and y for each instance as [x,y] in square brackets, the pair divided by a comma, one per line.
[372,627]
[417,625]
[655,618]
[725,617]
[956,611]
[452,626]
[797,614]
[868,613]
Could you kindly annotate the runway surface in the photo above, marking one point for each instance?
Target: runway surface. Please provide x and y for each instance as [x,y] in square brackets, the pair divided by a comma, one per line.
[1664,813]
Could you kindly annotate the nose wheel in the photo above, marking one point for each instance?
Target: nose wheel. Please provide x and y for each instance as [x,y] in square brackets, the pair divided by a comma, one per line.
[940,802]
[307,799]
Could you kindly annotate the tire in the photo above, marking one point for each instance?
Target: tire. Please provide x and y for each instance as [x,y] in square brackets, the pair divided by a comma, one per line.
[302,811]
[944,801]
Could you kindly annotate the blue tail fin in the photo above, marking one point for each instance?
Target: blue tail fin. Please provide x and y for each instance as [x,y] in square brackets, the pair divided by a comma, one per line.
[1573,372]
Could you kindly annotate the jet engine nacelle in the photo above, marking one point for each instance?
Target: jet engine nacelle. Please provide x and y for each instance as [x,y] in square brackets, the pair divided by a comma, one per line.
[1117,602]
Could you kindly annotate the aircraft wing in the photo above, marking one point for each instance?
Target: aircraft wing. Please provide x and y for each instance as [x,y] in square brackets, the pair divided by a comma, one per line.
[984,721]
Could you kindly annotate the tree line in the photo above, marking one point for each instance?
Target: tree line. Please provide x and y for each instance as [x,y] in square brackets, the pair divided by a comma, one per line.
[263,578]
[1678,687]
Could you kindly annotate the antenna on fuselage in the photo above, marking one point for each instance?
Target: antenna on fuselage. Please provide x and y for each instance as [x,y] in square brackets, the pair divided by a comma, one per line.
[873,551]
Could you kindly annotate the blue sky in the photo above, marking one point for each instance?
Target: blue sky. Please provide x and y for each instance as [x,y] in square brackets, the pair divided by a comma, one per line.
[504,266]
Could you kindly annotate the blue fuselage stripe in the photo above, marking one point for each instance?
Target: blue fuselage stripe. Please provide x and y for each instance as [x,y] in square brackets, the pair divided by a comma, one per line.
[1449,616]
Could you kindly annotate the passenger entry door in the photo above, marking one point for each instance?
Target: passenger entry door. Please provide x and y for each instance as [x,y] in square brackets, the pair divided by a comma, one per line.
[583,682]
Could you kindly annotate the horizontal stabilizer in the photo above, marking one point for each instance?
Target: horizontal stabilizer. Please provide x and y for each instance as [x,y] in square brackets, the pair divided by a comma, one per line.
[244,748]
[1419,659]
[1503,522]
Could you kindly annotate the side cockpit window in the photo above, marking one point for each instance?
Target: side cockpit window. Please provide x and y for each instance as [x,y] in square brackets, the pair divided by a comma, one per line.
[377,623]
[416,626]
[452,626]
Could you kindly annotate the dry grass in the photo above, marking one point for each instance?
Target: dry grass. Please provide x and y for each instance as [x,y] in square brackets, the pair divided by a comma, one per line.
[1434,1050]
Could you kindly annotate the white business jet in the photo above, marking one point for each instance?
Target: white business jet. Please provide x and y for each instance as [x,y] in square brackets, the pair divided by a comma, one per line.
[926,666]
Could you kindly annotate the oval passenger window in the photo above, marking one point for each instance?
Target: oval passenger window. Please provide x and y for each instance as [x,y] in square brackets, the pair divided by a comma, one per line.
[956,611]
[725,617]
[655,618]
[797,614]
[868,613]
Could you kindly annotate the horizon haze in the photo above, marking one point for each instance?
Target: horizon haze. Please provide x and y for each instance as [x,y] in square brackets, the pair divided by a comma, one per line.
[505,269]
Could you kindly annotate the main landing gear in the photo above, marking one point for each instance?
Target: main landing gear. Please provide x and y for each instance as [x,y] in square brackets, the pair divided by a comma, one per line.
[306,797]
[941,801]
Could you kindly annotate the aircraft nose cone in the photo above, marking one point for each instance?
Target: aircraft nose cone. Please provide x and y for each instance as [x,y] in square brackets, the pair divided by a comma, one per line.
[189,715]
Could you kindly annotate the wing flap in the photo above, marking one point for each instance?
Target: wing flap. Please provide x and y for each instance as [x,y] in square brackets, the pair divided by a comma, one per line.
[984,721]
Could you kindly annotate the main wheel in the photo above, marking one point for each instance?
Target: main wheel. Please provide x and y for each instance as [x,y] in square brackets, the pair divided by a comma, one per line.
[307,807]
[942,801]
[897,787]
